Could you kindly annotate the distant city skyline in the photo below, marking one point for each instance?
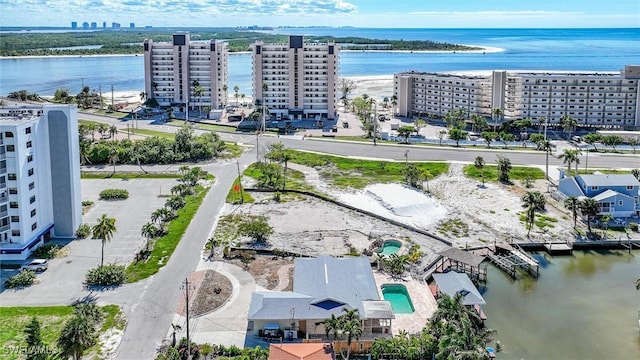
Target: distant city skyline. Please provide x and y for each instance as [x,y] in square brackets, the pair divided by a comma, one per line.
[357,13]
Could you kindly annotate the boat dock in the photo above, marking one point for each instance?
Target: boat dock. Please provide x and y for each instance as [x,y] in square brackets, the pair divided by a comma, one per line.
[510,258]
[558,248]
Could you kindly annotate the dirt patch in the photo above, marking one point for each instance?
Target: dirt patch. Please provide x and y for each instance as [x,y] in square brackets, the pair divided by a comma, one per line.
[264,270]
[214,290]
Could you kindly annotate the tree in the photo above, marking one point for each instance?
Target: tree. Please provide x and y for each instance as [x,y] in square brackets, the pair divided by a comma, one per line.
[633,142]
[488,137]
[604,220]
[346,87]
[104,230]
[113,157]
[569,156]
[225,88]
[504,168]
[331,324]
[143,96]
[113,130]
[34,340]
[351,325]
[419,124]
[612,140]
[568,124]
[256,227]
[497,114]
[235,93]
[405,132]
[532,201]
[589,208]
[636,173]
[77,335]
[456,134]
[441,135]
[412,175]
[592,139]
[198,91]
[149,231]
[572,203]
[546,146]
[506,138]
[479,164]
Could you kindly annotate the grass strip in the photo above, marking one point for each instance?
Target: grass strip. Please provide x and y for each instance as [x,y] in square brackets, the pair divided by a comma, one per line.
[165,245]
[491,173]
[233,197]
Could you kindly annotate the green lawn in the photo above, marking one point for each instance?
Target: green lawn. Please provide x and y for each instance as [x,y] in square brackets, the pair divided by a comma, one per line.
[126,175]
[52,319]
[147,132]
[233,197]
[165,245]
[491,173]
[356,173]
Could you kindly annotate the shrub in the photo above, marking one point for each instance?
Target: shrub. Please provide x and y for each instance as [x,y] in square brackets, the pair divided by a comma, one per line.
[87,203]
[22,279]
[633,226]
[114,194]
[46,251]
[106,275]
[83,231]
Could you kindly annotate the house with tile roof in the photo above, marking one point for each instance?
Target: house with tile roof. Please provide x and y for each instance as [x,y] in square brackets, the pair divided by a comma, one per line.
[617,194]
[322,287]
[301,351]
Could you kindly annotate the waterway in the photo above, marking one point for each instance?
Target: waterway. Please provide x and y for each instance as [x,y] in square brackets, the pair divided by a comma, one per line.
[583,306]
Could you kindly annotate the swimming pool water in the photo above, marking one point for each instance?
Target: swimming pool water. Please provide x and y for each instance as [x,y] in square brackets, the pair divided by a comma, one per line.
[390,247]
[399,298]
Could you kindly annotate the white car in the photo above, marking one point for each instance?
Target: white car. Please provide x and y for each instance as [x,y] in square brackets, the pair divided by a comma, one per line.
[619,221]
[37,265]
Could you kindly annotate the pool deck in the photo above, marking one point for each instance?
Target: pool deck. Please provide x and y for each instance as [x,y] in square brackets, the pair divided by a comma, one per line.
[423,302]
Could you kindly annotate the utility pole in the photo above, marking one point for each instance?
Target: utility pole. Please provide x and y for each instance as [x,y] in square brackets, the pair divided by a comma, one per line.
[113,105]
[100,91]
[240,182]
[406,157]
[186,287]
[258,146]
[375,121]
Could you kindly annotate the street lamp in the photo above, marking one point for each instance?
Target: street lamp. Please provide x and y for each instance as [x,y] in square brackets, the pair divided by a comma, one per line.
[406,156]
[187,288]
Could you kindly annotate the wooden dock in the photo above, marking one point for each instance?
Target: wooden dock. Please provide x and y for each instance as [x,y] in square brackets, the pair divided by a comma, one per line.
[503,263]
[558,248]
[510,258]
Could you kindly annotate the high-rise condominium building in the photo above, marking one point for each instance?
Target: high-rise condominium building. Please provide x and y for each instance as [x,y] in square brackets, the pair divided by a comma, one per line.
[598,99]
[296,80]
[39,177]
[186,72]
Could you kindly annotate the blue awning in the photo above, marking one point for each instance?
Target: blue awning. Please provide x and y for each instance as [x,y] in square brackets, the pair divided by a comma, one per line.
[272,326]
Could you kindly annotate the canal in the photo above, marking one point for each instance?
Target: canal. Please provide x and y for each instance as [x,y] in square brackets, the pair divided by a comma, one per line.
[583,306]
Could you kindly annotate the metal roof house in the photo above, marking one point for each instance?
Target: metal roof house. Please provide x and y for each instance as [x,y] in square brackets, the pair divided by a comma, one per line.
[453,283]
[617,194]
[322,287]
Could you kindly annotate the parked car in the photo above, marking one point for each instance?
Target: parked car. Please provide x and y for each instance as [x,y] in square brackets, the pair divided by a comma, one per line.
[619,221]
[37,265]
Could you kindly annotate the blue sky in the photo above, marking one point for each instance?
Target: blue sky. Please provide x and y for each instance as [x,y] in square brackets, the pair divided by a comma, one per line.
[358,13]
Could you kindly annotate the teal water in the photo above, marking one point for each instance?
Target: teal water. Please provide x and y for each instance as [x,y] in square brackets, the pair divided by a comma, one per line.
[390,247]
[399,298]
[583,306]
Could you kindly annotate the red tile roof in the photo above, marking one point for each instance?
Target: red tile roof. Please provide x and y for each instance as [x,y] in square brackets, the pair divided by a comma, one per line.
[303,351]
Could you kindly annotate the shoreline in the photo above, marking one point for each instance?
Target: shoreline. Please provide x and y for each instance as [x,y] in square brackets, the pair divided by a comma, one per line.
[483,50]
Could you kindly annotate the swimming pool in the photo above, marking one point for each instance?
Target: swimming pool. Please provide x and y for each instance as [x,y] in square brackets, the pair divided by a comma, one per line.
[399,298]
[390,247]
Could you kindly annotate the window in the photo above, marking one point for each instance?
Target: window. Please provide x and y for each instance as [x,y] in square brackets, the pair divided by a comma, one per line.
[15,232]
[8,134]
[629,187]
[29,144]
[11,176]
[32,185]
[33,212]
[34,226]
[30,172]
[30,158]
[27,130]
[11,148]
[13,191]
[15,218]
[594,188]
[13,204]
[620,202]
[32,199]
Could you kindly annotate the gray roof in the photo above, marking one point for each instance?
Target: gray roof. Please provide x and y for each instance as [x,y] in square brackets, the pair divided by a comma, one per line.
[610,180]
[452,283]
[570,187]
[607,194]
[379,309]
[279,305]
[346,280]
[462,256]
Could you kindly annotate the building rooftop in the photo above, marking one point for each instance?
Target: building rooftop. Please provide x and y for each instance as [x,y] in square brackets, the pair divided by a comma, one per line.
[304,351]
[453,283]
[609,180]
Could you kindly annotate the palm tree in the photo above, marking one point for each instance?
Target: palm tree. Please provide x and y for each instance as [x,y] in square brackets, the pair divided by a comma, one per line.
[225,88]
[604,220]
[104,230]
[569,156]
[174,330]
[497,112]
[265,88]
[331,324]
[479,164]
[589,208]
[113,130]
[572,203]
[199,91]
[568,123]
[113,157]
[143,96]
[351,325]
[235,93]
[148,230]
[504,168]
[77,335]
[532,201]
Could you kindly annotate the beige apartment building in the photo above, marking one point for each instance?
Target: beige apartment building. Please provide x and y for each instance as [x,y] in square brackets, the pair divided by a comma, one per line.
[597,99]
[296,80]
[172,69]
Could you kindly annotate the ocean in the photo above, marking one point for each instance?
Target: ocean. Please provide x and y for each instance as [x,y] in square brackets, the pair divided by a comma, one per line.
[524,49]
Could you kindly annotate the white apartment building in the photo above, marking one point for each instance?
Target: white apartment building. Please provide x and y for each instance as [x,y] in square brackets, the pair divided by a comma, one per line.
[296,80]
[171,68]
[597,99]
[39,177]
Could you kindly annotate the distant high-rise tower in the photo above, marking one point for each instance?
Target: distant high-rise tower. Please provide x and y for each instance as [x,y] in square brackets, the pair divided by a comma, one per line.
[132,25]
[297,79]
[39,177]
[74,25]
[85,25]
[104,24]
[173,69]
[94,25]
[115,25]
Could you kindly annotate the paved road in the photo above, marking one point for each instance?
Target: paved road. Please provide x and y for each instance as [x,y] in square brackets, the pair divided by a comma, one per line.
[397,152]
